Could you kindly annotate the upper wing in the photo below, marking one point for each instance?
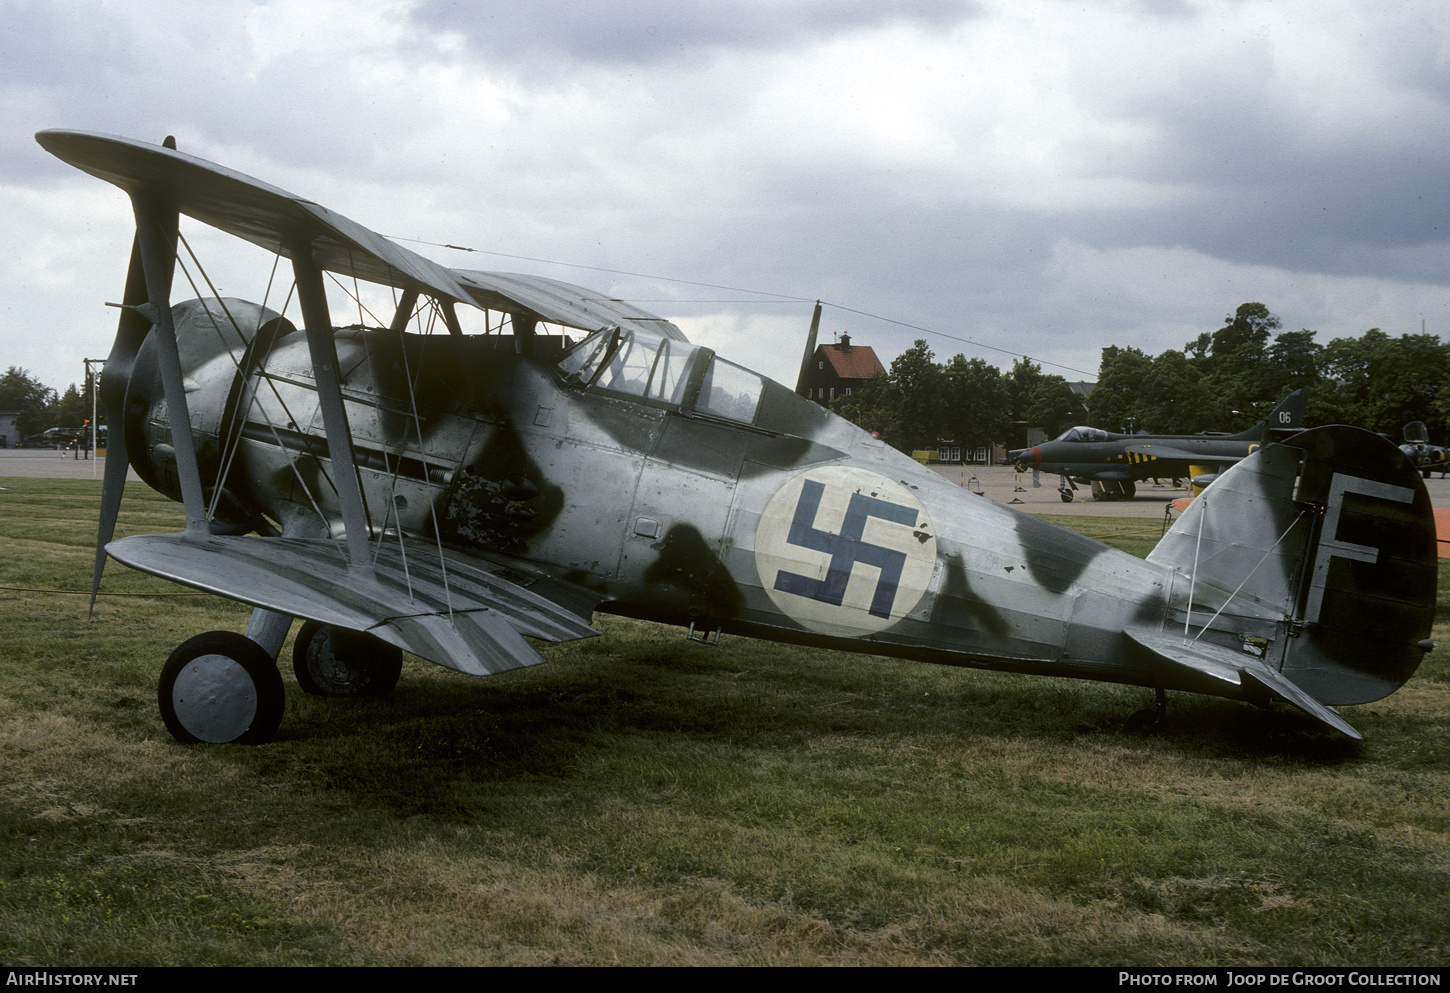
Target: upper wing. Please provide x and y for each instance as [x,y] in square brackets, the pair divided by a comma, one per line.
[561,303]
[250,209]
[278,221]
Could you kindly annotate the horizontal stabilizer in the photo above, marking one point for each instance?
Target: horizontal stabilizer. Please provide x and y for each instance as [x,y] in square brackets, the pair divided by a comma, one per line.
[1230,668]
[458,614]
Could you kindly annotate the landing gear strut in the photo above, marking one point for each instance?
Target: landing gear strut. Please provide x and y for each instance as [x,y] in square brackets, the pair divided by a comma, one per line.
[332,661]
[1114,489]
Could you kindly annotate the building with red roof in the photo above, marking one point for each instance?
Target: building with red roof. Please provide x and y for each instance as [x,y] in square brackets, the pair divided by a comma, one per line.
[837,369]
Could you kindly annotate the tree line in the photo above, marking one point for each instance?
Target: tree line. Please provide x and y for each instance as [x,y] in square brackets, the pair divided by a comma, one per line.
[1229,380]
[918,402]
[38,407]
[1223,380]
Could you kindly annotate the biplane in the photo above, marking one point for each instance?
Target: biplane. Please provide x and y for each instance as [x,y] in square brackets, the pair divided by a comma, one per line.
[400,485]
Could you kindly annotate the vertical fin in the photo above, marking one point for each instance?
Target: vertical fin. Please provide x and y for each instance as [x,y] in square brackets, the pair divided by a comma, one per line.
[1323,547]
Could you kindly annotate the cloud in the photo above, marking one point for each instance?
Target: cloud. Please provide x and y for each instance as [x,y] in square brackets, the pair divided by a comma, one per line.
[1037,175]
[548,39]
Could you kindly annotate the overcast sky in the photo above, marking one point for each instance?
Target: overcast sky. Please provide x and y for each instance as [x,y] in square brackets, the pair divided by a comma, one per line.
[999,177]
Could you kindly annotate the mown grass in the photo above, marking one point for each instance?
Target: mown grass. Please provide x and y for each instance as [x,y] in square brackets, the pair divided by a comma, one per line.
[644,800]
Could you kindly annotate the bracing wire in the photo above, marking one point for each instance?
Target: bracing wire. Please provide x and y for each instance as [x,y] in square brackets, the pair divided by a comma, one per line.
[779,297]
[1246,579]
[235,445]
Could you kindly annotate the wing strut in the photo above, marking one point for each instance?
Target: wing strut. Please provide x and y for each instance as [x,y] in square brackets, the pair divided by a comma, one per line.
[404,312]
[317,323]
[156,235]
[450,317]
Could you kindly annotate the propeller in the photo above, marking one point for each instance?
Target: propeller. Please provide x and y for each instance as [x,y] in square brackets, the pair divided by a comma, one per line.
[131,330]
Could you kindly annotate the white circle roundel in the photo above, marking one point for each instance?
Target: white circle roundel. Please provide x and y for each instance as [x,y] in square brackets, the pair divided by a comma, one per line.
[845,551]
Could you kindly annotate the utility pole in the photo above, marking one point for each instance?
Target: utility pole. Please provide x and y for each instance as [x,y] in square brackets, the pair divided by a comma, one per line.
[93,382]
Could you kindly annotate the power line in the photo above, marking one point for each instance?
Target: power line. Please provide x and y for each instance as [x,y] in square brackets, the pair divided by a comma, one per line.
[617,272]
[943,334]
[782,297]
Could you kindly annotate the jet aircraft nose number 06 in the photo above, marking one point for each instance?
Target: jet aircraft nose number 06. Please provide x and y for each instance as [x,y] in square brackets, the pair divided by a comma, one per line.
[845,551]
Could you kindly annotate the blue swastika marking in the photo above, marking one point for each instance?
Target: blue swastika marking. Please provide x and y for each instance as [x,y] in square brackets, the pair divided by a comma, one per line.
[845,549]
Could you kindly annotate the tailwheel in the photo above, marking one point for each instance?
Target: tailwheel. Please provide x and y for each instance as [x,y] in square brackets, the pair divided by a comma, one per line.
[1146,721]
[333,661]
[221,687]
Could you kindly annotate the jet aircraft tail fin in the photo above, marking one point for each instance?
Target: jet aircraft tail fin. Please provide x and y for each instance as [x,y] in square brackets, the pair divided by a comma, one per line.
[1289,415]
[1312,566]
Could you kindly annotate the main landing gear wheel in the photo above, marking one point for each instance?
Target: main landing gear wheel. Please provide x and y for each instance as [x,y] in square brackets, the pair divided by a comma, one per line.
[221,687]
[1066,495]
[333,661]
[1114,489]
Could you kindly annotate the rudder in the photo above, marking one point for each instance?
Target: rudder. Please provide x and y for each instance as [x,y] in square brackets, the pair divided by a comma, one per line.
[1322,550]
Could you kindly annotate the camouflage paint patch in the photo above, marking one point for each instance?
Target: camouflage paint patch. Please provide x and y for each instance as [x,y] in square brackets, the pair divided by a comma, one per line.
[845,551]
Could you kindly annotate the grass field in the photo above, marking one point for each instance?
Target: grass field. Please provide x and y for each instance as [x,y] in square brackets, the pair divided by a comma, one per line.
[644,800]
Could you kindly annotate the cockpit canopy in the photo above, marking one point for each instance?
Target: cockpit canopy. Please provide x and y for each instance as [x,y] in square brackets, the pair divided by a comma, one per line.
[1082,434]
[663,372]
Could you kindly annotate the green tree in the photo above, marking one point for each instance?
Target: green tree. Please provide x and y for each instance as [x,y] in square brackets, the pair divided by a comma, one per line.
[1053,406]
[1294,363]
[1176,400]
[976,402]
[1118,395]
[867,406]
[1381,383]
[27,397]
[918,398]
[1237,373]
[71,410]
[1038,400]
[1245,333]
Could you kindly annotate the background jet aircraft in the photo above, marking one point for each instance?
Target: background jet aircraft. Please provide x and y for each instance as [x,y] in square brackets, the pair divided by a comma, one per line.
[1417,448]
[456,495]
[1116,461]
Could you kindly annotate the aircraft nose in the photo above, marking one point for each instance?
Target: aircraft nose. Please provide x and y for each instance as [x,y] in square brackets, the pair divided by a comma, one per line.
[1025,457]
[143,406]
